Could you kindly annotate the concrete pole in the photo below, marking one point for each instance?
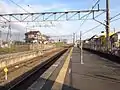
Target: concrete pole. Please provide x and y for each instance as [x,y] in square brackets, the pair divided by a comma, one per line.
[76,36]
[73,38]
[9,35]
[81,51]
[0,38]
[107,24]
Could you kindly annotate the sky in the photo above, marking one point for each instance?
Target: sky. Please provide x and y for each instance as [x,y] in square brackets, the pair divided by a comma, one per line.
[63,27]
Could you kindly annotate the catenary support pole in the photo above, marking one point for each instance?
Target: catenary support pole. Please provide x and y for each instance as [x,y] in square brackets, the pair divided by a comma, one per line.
[107,24]
[81,50]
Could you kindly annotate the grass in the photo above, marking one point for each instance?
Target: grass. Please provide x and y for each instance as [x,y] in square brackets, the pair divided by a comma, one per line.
[59,44]
[7,50]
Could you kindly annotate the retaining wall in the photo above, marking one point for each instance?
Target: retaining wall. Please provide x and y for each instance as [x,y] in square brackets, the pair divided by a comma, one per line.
[9,59]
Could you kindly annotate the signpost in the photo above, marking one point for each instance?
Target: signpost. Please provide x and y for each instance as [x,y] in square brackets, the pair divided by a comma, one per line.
[6,72]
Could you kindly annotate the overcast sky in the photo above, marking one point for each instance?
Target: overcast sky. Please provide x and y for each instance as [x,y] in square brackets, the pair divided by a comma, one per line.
[61,28]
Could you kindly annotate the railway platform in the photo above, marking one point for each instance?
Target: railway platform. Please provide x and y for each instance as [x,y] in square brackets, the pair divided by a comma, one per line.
[96,73]
[68,73]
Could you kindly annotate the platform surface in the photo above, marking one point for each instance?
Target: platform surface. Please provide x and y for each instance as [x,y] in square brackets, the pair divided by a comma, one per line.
[96,73]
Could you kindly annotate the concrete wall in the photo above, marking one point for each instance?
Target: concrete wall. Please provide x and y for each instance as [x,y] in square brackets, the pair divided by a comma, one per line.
[17,57]
[9,59]
[41,46]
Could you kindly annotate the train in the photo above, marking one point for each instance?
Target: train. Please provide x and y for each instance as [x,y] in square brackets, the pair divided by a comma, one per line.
[98,43]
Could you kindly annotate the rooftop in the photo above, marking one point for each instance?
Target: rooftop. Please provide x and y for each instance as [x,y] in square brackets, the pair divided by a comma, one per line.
[32,32]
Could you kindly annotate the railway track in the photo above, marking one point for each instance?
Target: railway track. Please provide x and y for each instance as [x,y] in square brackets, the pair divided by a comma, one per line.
[29,64]
[29,77]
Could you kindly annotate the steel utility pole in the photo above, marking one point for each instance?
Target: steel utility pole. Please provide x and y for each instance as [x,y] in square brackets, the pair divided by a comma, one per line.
[107,24]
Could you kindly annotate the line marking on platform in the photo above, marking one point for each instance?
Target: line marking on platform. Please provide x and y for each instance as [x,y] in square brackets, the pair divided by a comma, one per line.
[61,76]
[69,71]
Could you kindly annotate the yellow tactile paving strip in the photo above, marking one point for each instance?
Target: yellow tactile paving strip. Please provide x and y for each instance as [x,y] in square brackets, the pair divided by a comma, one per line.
[61,76]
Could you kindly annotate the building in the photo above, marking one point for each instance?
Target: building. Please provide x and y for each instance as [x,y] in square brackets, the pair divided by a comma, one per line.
[115,40]
[35,37]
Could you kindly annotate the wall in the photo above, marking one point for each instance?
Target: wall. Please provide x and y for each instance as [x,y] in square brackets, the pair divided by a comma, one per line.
[17,57]
[9,59]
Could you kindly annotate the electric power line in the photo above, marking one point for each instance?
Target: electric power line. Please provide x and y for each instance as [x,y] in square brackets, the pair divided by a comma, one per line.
[115,20]
[91,29]
[31,8]
[115,16]
[99,26]
[18,6]
[54,30]
[95,4]
[89,13]
[50,22]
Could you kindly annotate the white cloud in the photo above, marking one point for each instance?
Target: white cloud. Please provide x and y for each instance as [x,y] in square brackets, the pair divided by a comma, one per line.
[6,8]
[62,28]
[20,27]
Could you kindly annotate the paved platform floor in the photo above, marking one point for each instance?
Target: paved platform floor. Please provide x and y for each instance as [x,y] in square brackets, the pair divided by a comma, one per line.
[96,73]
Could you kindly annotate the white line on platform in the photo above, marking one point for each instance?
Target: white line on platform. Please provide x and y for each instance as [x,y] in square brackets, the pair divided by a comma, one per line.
[55,65]
[69,71]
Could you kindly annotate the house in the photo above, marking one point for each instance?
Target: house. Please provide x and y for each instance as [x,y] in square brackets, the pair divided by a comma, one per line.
[115,39]
[35,37]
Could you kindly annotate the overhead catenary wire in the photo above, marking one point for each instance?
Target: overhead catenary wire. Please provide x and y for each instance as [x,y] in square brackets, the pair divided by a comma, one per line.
[32,8]
[99,26]
[50,22]
[115,16]
[9,27]
[54,30]
[89,13]
[91,29]
[95,4]
[18,6]
[115,20]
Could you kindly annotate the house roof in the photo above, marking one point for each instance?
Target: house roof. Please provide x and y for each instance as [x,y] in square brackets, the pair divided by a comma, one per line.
[104,34]
[32,32]
[95,36]
[115,33]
